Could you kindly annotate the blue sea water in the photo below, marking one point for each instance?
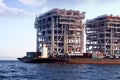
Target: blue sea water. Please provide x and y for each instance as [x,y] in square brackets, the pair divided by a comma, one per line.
[15,70]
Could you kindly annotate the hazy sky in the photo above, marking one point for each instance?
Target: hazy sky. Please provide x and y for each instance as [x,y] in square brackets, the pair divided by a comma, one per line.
[17,33]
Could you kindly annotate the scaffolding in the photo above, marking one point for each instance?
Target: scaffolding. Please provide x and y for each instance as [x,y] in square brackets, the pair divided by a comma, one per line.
[62,30]
[103,35]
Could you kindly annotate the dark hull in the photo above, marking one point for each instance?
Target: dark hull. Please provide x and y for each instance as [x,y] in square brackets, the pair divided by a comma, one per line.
[71,60]
[43,60]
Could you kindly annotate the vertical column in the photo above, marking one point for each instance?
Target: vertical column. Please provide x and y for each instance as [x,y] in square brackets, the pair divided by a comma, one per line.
[86,32]
[82,35]
[37,44]
[57,34]
[113,40]
[52,37]
[38,41]
[111,44]
[105,43]
[65,39]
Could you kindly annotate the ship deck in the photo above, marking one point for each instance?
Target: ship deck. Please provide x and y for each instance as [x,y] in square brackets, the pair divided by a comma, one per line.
[72,61]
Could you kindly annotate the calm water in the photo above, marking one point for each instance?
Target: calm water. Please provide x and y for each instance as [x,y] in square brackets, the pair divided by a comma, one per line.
[15,70]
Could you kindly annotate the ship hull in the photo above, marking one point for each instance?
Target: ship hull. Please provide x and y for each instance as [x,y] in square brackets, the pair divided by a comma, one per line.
[71,60]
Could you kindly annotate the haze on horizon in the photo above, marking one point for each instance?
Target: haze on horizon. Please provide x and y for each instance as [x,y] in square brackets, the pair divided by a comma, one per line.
[17,20]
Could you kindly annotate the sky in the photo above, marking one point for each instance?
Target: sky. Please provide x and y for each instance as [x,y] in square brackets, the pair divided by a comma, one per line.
[17,32]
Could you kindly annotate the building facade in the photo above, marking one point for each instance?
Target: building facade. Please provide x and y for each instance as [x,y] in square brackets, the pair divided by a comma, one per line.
[62,31]
[103,35]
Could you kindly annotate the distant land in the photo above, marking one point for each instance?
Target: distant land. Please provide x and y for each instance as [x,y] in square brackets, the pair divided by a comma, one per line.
[7,58]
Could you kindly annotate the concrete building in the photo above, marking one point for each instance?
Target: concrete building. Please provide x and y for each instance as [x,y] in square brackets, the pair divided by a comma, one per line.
[103,35]
[62,30]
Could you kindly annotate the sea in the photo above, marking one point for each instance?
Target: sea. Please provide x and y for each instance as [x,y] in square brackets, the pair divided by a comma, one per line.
[16,70]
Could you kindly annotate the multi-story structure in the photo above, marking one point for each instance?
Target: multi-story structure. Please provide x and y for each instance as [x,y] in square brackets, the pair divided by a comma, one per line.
[103,35]
[62,30]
